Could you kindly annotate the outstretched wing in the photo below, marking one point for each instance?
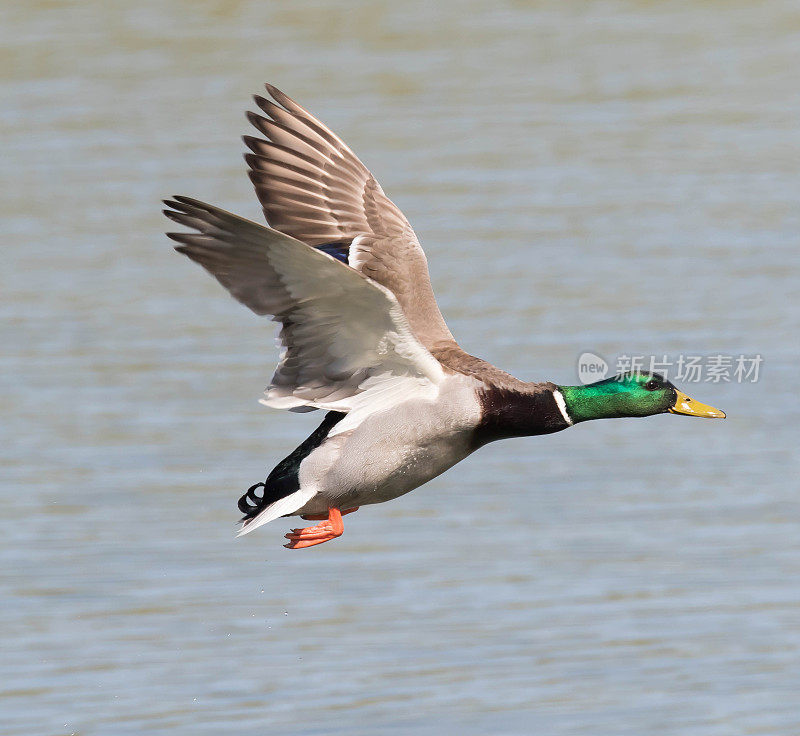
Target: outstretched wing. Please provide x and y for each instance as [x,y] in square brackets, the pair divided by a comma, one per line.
[314,188]
[345,339]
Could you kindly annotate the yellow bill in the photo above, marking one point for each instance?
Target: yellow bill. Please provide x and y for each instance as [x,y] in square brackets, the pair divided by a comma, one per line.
[690,407]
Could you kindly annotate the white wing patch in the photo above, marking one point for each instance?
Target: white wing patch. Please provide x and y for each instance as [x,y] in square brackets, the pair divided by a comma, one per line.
[346,342]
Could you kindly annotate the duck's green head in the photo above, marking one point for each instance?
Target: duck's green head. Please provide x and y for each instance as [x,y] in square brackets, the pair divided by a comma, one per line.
[631,395]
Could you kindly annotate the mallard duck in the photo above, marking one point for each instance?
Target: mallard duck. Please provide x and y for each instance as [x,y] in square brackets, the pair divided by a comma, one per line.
[362,337]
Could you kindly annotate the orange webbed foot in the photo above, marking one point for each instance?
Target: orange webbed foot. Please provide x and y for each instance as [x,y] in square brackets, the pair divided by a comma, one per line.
[331,526]
[325,517]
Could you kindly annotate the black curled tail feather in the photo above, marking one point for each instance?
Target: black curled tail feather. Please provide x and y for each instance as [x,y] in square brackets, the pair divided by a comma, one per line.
[284,480]
[252,500]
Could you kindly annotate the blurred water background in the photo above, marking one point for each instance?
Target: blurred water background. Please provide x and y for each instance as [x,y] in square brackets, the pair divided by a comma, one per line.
[619,177]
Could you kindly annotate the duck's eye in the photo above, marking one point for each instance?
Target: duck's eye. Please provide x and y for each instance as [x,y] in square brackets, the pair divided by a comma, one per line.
[652,385]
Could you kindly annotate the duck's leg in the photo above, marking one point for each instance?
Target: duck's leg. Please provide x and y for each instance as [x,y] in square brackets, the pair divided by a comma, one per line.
[330,527]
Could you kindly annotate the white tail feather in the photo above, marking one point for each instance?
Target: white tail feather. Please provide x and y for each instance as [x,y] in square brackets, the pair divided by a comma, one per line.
[287,505]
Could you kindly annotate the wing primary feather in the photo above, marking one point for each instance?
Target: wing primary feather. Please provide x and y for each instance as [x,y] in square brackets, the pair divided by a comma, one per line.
[314,188]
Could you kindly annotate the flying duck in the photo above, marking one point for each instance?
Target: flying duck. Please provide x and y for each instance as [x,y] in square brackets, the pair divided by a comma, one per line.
[342,272]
